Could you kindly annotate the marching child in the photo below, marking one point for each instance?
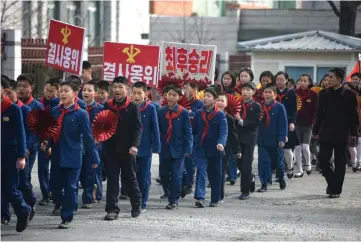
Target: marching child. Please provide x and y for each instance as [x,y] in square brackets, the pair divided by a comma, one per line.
[232,145]
[13,140]
[265,78]
[103,92]
[272,136]
[75,132]
[176,142]
[210,134]
[247,130]
[91,178]
[150,142]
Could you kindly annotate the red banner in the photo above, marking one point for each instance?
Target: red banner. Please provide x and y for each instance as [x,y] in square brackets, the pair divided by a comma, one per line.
[135,62]
[64,50]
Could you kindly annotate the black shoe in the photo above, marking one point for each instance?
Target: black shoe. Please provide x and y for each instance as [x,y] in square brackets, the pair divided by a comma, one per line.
[5,221]
[244,196]
[310,171]
[171,206]
[159,181]
[199,204]
[354,169]
[239,174]
[164,196]
[183,193]
[213,205]
[56,211]
[298,175]
[232,182]
[262,189]
[123,197]
[328,192]
[136,213]
[252,187]
[111,216]
[228,179]
[32,214]
[277,179]
[314,162]
[104,178]
[50,196]
[290,174]
[189,190]
[22,223]
[44,202]
[333,195]
[64,225]
[283,185]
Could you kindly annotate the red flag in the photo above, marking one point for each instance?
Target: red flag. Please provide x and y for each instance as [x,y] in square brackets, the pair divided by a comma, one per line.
[355,69]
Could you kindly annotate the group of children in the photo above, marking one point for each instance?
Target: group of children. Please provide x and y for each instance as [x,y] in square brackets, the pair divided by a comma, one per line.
[204,138]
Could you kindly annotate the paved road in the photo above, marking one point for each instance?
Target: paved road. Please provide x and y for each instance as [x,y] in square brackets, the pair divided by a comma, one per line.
[301,212]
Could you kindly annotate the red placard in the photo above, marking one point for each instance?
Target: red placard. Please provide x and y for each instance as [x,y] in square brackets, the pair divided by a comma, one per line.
[135,62]
[64,50]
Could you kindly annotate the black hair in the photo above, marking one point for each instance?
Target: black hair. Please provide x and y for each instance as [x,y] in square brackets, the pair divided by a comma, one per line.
[282,73]
[176,88]
[292,81]
[233,84]
[23,77]
[120,79]
[249,85]
[86,65]
[323,78]
[267,74]
[270,86]
[165,89]
[75,79]
[71,84]
[310,81]
[13,85]
[352,86]
[54,81]
[212,91]
[216,73]
[249,71]
[357,74]
[104,85]
[5,77]
[141,85]
[218,88]
[339,73]
[93,83]
[5,83]
[194,86]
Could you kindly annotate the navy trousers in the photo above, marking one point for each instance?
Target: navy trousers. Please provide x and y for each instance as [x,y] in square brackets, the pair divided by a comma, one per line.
[232,167]
[212,166]
[9,185]
[267,156]
[88,180]
[171,173]
[44,173]
[143,176]
[189,171]
[32,158]
[25,186]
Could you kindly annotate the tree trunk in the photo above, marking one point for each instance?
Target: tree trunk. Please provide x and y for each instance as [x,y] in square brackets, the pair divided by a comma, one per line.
[347,18]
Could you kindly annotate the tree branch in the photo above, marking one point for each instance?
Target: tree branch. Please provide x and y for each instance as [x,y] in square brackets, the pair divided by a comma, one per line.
[334,8]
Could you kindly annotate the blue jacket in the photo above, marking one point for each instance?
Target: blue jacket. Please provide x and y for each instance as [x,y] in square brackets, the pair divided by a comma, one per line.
[217,133]
[150,141]
[289,101]
[95,109]
[181,141]
[82,104]
[13,135]
[34,141]
[156,105]
[67,152]
[49,104]
[196,105]
[277,129]
[25,110]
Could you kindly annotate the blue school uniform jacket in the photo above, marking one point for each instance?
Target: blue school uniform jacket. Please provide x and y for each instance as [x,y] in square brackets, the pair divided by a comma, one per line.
[93,111]
[25,110]
[217,133]
[196,105]
[82,104]
[34,141]
[181,141]
[49,104]
[156,105]
[288,98]
[277,130]
[13,137]
[67,151]
[150,142]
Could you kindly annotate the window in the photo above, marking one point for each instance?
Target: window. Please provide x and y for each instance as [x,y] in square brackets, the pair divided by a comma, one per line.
[321,71]
[296,71]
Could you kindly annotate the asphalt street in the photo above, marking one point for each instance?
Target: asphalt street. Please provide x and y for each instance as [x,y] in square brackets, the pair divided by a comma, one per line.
[301,212]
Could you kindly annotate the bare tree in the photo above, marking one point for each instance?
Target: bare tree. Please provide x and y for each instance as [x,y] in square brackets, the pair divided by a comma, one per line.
[10,13]
[347,16]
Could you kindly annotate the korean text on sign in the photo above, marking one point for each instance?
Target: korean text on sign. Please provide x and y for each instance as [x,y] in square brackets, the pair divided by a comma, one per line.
[135,62]
[197,62]
[65,47]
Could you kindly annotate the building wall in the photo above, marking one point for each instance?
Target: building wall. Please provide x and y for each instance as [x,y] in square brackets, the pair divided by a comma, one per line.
[171,8]
[299,62]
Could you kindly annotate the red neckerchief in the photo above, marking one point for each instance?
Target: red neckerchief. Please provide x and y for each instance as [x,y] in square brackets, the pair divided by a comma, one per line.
[5,104]
[280,96]
[30,99]
[206,121]
[170,118]
[142,109]
[46,107]
[244,110]
[61,118]
[114,107]
[266,111]
[19,103]
[193,100]
[76,99]
[89,108]
[304,94]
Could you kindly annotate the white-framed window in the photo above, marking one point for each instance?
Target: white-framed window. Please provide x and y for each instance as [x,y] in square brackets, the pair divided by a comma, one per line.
[296,71]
